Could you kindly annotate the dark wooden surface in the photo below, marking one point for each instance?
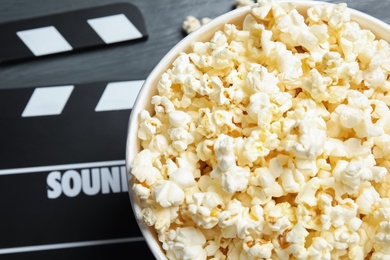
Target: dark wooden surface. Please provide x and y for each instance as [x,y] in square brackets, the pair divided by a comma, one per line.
[163,20]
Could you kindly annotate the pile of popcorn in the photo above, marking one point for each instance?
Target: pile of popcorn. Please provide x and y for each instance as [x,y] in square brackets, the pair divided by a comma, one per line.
[271,141]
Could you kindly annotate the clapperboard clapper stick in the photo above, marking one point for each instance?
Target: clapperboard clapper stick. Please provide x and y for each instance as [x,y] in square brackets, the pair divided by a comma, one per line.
[62,167]
[71,31]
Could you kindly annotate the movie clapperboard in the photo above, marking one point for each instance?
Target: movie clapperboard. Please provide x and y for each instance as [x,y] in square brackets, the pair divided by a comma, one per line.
[63,187]
[71,31]
[63,177]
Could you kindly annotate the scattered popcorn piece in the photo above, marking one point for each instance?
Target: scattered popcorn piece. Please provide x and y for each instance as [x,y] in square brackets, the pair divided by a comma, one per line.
[271,140]
[241,3]
[191,23]
[205,20]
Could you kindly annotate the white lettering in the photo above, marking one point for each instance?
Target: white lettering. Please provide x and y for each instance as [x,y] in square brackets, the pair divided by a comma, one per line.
[91,186]
[89,181]
[53,181]
[71,183]
[124,179]
[110,180]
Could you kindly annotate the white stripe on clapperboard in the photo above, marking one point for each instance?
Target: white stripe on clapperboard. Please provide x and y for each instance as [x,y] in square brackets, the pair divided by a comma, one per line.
[48,40]
[22,249]
[51,100]
[60,167]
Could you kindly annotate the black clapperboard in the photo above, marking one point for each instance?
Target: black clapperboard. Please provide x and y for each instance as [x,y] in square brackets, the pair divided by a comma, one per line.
[62,168]
[63,187]
[71,31]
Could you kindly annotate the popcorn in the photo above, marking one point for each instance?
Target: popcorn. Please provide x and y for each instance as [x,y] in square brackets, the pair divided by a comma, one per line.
[183,178]
[383,239]
[271,140]
[205,208]
[374,77]
[319,249]
[168,193]
[191,23]
[143,169]
[180,138]
[257,249]
[141,191]
[159,217]
[367,197]
[289,183]
[241,3]
[298,234]
[238,220]
[233,178]
[185,243]
[279,217]
[148,125]
[307,194]
[343,213]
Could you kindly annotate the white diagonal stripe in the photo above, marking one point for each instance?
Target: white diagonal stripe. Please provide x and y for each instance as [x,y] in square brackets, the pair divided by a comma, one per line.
[23,249]
[47,101]
[44,41]
[60,167]
[114,28]
[119,95]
